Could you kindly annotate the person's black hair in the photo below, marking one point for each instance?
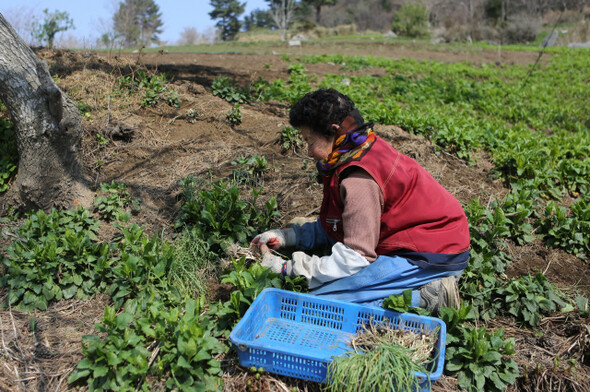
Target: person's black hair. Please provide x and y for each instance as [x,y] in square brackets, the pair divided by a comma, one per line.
[319,109]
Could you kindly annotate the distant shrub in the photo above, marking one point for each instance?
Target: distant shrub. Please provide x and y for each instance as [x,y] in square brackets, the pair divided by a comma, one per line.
[520,29]
[484,32]
[307,26]
[258,35]
[411,20]
[477,32]
[580,32]
[321,31]
[348,29]
[567,17]
[304,27]
[455,33]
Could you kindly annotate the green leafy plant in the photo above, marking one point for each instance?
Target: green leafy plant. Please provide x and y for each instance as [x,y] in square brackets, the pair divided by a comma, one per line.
[102,141]
[249,169]
[229,90]
[190,351]
[297,284]
[300,82]
[172,99]
[455,319]
[152,86]
[12,215]
[488,258]
[58,256]
[140,264]
[249,279]
[116,362]
[526,298]
[402,304]
[8,154]
[484,283]
[519,206]
[176,338]
[55,256]
[293,90]
[127,83]
[85,111]
[290,139]
[575,175]
[113,200]
[234,115]
[260,89]
[218,213]
[150,97]
[479,359]
[569,232]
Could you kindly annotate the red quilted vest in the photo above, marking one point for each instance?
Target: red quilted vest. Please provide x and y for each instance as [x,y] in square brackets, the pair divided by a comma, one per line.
[419,215]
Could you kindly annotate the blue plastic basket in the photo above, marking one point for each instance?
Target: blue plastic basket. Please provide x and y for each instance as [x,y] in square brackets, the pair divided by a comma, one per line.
[297,335]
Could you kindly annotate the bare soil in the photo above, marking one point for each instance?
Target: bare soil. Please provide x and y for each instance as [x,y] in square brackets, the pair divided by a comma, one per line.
[151,149]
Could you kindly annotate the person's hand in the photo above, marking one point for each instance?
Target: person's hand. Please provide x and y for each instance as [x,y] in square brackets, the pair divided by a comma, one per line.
[275,263]
[264,249]
[275,239]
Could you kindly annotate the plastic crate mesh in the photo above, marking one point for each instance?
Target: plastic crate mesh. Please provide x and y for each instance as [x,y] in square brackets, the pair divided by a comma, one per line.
[298,335]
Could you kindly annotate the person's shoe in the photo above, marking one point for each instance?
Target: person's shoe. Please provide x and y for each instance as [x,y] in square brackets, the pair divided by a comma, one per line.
[440,293]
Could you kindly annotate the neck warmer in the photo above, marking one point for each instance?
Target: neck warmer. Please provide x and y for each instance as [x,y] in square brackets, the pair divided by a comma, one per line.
[352,142]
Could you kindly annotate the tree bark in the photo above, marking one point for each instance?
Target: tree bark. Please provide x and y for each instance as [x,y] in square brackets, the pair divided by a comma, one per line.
[282,14]
[47,127]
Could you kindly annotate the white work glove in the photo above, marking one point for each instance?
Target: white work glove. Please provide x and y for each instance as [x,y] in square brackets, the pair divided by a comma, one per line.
[276,238]
[276,264]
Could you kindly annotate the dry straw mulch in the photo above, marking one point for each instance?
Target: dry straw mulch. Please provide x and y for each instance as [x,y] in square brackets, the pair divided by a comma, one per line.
[39,350]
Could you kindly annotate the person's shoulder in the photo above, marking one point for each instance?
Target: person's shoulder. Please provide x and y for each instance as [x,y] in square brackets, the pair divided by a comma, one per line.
[355,172]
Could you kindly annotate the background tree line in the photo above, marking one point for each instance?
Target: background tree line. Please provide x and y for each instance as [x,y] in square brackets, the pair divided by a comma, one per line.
[135,23]
[138,23]
[506,20]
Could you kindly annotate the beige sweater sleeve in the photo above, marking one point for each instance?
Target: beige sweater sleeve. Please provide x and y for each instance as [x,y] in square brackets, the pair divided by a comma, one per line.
[361,217]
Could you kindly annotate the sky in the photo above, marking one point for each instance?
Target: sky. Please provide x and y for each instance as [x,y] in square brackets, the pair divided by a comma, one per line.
[93,18]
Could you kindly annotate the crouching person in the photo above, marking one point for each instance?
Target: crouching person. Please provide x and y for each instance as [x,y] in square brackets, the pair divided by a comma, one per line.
[390,225]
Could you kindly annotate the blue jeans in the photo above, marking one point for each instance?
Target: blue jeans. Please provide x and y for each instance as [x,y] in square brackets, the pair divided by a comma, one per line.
[388,275]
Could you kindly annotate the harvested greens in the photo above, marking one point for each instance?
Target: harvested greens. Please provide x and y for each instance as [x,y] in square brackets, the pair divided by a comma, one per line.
[382,358]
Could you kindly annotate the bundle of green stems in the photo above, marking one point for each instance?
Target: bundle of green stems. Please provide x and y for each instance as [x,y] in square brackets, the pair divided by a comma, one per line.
[382,358]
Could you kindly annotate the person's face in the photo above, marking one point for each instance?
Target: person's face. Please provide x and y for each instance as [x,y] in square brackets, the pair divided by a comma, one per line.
[318,147]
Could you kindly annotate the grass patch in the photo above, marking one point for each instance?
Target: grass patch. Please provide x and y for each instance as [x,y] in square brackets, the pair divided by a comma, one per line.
[194,264]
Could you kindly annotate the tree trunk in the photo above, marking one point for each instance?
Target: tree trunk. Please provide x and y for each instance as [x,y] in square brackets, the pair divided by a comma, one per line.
[47,128]
[282,13]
